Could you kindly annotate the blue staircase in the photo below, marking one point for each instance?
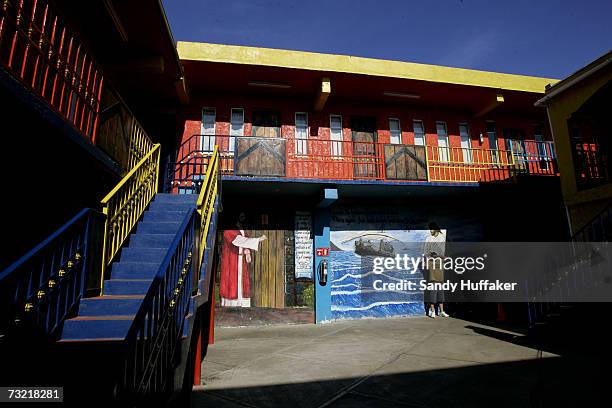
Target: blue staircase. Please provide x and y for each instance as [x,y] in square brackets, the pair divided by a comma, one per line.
[108,317]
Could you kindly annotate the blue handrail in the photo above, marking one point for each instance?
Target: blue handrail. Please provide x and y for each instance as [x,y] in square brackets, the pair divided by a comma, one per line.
[44,286]
[156,330]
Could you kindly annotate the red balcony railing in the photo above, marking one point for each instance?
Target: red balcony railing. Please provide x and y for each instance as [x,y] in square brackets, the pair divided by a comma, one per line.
[37,47]
[347,160]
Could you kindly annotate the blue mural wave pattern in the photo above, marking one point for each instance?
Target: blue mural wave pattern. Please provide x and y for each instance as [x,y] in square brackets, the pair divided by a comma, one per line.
[354,296]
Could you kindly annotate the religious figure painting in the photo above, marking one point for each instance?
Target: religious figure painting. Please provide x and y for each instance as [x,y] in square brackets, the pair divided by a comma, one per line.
[235,280]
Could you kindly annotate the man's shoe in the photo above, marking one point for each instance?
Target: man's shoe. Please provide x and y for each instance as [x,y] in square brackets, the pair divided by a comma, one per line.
[431,314]
[443,314]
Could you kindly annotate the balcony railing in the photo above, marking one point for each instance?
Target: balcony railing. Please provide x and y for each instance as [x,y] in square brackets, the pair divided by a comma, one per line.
[37,47]
[247,156]
[46,55]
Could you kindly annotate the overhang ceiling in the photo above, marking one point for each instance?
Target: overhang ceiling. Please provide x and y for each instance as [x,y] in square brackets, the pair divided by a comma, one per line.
[133,44]
[230,78]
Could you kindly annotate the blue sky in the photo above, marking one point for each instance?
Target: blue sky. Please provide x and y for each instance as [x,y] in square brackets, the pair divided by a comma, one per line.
[537,37]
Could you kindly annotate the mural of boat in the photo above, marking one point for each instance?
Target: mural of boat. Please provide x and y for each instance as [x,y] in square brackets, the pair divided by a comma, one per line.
[365,247]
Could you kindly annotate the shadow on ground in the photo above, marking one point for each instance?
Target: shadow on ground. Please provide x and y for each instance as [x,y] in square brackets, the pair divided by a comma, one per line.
[546,382]
[402,362]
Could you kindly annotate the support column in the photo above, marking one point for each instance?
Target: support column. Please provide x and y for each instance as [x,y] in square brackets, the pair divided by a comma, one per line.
[322,219]
[197,369]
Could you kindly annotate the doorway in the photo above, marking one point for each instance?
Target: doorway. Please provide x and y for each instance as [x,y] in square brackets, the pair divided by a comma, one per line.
[266,124]
[365,159]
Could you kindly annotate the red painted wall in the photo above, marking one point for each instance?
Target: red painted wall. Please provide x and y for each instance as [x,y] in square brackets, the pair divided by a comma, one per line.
[319,121]
[190,118]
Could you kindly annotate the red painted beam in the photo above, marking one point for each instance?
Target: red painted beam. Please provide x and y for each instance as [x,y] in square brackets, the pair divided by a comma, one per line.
[197,368]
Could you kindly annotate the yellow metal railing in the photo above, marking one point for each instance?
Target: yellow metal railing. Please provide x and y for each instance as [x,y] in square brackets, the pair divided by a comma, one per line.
[119,133]
[140,144]
[206,202]
[468,165]
[124,205]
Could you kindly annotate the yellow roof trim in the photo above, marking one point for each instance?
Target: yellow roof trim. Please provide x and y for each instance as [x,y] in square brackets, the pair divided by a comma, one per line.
[236,54]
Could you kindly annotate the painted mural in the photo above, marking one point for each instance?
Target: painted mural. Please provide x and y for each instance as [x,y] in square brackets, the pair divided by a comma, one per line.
[359,234]
[235,280]
[352,278]
[266,261]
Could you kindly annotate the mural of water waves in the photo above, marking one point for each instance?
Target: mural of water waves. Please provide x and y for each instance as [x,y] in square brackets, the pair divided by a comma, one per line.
[353,286]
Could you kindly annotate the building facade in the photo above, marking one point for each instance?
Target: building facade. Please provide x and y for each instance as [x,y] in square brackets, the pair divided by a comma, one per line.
[286,171]
[577,108]
[332,156]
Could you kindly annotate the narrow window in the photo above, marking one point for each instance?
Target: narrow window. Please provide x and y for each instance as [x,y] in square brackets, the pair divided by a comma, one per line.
[544,149]
[236,126]
[442,141]
[515,143]
[492,137]
[466,144]
[395,130]
[207,140]
[301,133]
[335,127]
[419,132]
[537,134]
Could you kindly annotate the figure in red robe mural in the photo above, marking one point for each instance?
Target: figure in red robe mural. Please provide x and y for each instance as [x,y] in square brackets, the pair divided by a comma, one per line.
[235,282]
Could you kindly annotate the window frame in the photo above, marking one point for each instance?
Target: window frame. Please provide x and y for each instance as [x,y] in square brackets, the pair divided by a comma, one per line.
[443,151]
[301,145]
[492,123]
[422,130]
[232,120]
[336,148]
[466,152]
[208,139]
[493,150]
[399,129]
[232,137]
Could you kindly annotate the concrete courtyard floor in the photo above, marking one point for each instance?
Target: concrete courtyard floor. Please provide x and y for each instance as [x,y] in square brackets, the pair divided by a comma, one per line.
[409,362]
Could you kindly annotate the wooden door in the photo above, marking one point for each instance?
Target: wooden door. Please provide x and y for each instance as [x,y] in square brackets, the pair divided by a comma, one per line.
[405,162]
[364,147]
[268,270]
[256,156]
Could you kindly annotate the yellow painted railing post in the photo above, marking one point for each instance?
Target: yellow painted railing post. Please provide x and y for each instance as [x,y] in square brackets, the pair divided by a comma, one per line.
[427,162]
[126,203]
[157,171]
[205,205]
[103,266]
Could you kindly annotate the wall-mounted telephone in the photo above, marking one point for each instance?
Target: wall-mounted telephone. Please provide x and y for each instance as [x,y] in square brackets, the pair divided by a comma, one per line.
[322,272]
